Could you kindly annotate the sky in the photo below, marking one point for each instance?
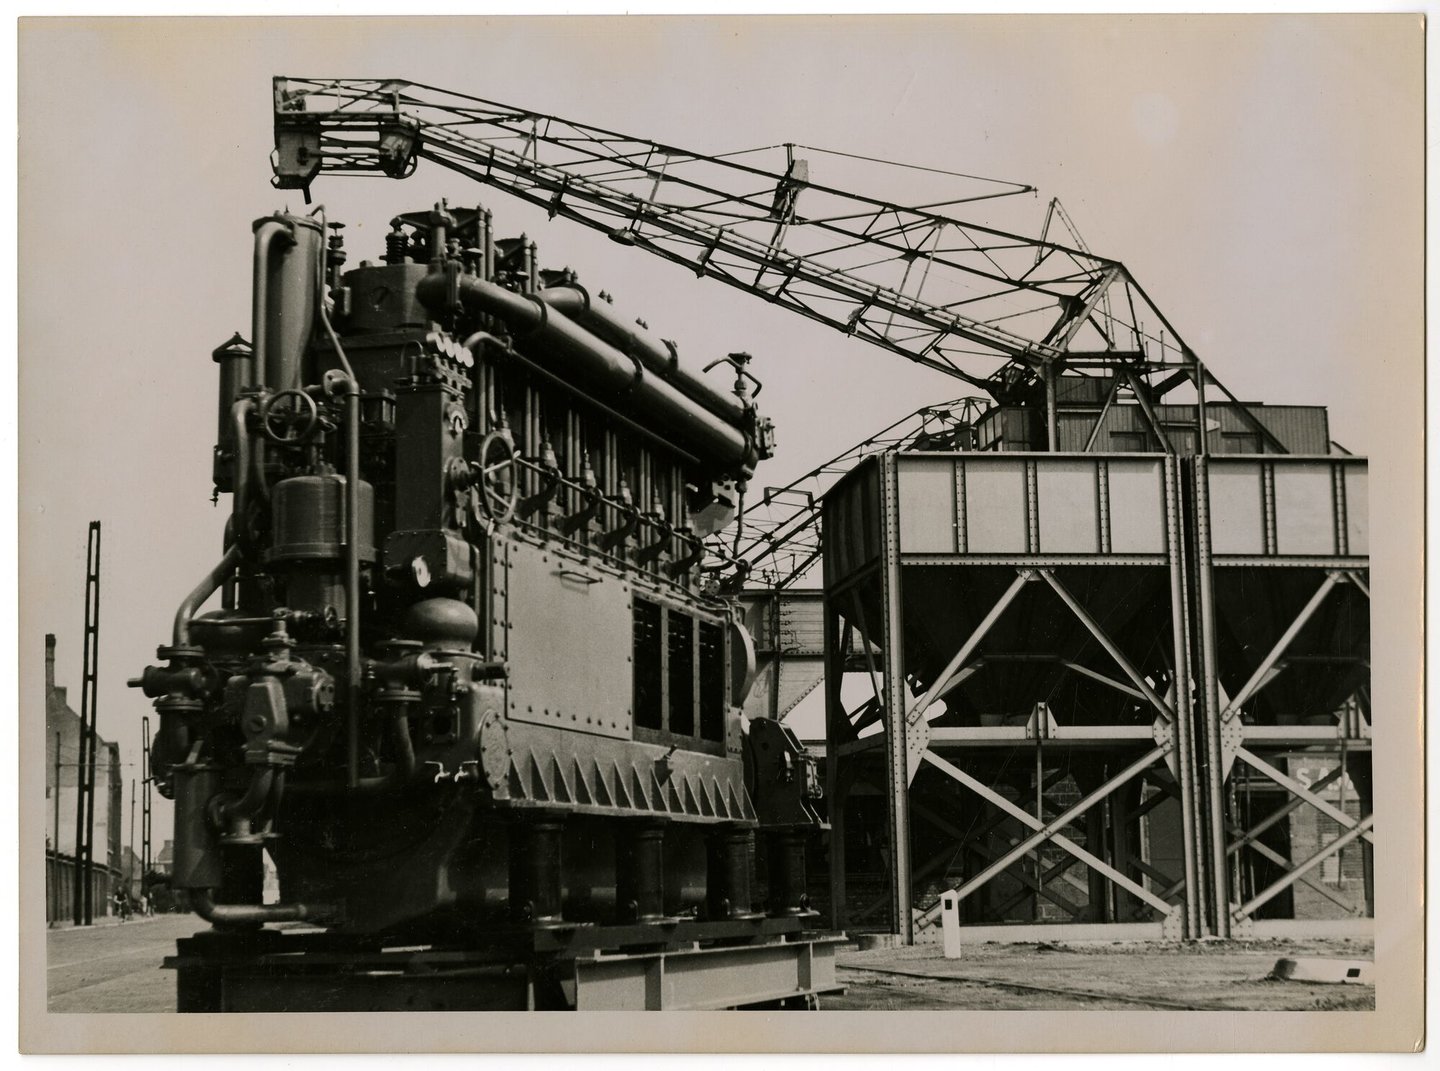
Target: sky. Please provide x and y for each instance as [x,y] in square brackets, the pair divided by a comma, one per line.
[1260,176]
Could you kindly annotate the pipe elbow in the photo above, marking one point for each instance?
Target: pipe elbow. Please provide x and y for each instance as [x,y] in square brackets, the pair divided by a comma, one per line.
[248,806]
[430,292]
[569,298]
[520,311]
[202,902]
[207,587]
[267,231]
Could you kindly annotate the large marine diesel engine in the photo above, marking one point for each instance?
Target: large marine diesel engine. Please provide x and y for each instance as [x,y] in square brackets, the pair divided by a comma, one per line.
[467,681]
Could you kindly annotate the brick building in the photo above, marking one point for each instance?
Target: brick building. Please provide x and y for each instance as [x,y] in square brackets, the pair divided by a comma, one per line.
[62,738]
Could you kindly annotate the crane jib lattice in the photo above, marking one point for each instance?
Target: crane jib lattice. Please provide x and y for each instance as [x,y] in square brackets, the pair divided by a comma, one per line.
[983,304]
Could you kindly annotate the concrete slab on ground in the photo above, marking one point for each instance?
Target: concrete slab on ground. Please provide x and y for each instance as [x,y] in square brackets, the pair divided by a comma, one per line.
[1326,971]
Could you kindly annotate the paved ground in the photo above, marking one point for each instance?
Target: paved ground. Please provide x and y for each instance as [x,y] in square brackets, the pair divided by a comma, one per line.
[115,967]
[1207,975]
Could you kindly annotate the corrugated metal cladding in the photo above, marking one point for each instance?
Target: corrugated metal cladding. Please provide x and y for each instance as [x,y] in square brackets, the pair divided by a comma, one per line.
[1302,429]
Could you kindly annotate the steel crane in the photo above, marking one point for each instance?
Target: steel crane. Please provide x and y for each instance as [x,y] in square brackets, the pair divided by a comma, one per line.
[1006,313]
[999,310]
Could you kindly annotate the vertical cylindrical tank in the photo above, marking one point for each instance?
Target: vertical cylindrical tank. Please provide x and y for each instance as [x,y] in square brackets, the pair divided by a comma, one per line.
[235,371]
[287,285]
[309,519]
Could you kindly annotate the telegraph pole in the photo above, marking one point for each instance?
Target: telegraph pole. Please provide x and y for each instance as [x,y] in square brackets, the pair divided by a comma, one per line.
[54,861]
[130,859]
[85,797]
[145,797]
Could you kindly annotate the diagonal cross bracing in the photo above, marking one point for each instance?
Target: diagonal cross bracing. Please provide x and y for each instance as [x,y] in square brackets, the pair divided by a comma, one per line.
[1360,829]
[1050,832]
[1295,787]
[1161,707]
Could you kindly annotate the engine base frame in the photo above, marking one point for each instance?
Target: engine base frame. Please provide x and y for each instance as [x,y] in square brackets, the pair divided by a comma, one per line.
[685,965]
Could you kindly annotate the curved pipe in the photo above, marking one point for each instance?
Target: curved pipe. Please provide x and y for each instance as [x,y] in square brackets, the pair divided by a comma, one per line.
[252,802]
[202,902]
[654,353]
[561,341]
[207,587]
[265,234]
[238,412]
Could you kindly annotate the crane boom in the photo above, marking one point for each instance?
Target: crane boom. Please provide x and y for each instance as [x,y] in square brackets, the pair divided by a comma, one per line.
[993,308]
[777,542]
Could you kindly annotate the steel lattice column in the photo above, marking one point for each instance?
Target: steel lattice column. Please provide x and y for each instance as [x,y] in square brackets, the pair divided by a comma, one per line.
[1212,763]
[897,796]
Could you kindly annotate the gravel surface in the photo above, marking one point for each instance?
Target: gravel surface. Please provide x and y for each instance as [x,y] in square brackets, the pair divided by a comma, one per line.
[1202,975]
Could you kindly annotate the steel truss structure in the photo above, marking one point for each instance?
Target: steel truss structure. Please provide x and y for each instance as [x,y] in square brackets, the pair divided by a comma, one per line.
[984,780]
[1283,607]
[1054,694]
[997,309]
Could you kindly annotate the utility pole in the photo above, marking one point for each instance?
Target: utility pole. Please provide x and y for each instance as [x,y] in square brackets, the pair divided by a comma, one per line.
[130,859]
[85,797]
[145,797]
[54,861]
